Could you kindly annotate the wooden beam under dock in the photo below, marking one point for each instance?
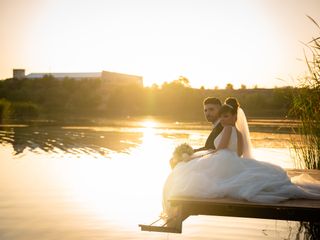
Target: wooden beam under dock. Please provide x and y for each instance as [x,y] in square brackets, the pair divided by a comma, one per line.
[294,209]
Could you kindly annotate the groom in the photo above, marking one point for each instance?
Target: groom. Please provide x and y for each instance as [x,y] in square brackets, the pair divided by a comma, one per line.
[211,107]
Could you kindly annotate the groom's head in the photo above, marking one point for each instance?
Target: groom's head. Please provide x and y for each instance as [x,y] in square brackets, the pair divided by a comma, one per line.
[211,107]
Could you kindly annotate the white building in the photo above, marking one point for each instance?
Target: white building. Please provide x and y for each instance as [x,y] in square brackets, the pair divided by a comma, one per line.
[76,76]
[112,78]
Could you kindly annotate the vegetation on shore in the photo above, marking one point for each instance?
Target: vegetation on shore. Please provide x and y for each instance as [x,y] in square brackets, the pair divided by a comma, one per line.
[306,107]
[50,98]
[18,110]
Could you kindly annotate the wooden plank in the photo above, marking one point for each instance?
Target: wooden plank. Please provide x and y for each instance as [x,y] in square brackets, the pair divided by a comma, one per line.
[172,225]
[151,228]
[312,172]
[297,210]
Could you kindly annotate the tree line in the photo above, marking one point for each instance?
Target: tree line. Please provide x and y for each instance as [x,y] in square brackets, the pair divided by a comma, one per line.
[51,98]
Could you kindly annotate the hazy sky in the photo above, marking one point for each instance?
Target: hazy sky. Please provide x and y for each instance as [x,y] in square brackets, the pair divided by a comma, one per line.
[210,42]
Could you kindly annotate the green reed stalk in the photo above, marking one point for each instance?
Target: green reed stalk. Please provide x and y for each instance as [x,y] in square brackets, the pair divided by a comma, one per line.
[306,107]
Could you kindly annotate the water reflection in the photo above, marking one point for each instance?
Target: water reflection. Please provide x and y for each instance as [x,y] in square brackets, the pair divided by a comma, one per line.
[66,187]
[108,139]
[69,140]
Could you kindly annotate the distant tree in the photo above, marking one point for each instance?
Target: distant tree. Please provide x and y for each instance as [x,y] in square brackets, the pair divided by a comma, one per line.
[181,82]
[255,86]
[202,88]
[48,77]
[184,81]
[164,84]
[154,86]
[229,86]
[216,87]
[243,87]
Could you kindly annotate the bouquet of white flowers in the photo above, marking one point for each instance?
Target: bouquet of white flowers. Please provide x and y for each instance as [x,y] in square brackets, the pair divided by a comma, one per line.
[181,153]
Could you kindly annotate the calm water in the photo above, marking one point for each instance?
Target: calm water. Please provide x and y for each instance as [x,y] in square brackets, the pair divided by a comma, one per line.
[101,182]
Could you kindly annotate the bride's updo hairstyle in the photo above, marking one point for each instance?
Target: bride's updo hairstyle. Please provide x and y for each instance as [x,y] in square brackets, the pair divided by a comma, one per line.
[227,108]
[233,102]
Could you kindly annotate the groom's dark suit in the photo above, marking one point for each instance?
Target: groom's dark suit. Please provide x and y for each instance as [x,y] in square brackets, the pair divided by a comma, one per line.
[210,140]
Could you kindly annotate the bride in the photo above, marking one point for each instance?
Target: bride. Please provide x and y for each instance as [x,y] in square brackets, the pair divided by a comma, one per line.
[230,171]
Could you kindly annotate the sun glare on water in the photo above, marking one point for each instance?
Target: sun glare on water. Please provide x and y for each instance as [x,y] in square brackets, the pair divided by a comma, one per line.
[149,124]
[122,188]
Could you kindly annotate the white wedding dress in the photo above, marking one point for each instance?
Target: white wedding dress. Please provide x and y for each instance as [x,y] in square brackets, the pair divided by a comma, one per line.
[225,174]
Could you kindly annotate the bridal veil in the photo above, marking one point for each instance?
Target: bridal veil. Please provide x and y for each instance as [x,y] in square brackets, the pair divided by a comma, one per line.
[242,126]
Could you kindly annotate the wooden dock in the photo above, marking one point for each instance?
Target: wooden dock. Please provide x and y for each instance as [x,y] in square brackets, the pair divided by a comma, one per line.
[295,209]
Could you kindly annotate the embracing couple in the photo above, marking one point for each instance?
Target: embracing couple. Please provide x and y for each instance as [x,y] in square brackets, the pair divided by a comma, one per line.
[224,167]
[224,117]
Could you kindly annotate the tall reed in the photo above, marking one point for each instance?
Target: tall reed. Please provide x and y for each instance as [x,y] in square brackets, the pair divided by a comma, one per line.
[306,107]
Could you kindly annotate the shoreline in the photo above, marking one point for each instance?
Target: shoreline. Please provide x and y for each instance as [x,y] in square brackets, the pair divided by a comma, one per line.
[286,126]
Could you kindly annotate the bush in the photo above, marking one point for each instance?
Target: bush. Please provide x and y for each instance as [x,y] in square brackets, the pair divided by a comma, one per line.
[24,110]
[17,110]
[4,110]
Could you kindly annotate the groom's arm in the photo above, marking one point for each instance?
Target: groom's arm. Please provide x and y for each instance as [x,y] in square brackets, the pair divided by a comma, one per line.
[209,142]
[203,148]
[200,149]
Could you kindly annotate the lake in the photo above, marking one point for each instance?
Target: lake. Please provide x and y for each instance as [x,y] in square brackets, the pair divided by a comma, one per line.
[100,182]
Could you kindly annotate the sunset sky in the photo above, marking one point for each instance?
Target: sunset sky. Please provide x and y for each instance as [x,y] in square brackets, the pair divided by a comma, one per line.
[210,42]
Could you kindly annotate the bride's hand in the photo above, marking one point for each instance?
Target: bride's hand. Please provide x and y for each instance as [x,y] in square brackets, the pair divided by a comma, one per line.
[173,162]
